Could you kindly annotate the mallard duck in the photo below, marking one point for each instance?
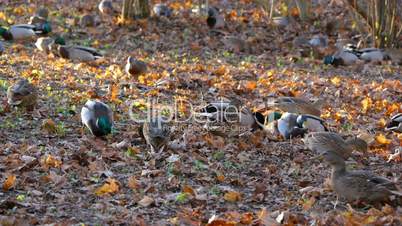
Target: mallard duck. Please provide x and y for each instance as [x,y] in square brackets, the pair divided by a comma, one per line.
[311,123]
[236,44]
[371,54]
[22,93]
[318,41]
[215,20]
[358,185]
[395,124]
[162,10]
[24,31]
[42,12]
[1,48]
[280,21]
[341,58]
[232,113]
[288,126]
[135,67]
[106,7]
[87,20]
[395,55]
[78,53]
[97,117]
[321,142]
[46,44]
[297,105]
[156,132]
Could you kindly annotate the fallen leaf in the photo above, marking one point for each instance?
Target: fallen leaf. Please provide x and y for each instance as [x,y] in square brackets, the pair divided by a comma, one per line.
[133,183]
[146,201]
[232,196]
[381,139]
[366,104]
[9,182]
[110,186]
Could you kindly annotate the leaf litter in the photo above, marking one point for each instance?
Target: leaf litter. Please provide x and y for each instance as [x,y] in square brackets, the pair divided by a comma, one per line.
[56,172]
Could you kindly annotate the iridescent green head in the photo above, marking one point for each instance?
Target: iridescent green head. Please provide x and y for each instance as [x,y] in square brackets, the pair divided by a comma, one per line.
[273,116]
[46,28]
[60,40]
[2,30]
[104,124]
[329,59]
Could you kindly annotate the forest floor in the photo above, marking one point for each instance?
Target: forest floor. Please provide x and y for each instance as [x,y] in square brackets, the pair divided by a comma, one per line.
[64,175]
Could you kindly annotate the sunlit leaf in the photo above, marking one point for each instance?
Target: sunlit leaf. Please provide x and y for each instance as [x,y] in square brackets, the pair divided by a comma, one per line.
[381,139]
[110,186]
[232,196]
[9,182]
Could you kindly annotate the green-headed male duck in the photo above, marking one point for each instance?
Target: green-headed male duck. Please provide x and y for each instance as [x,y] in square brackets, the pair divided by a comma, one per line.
[311,123]
[78,53]
[23,94]
[45,44]
[288,126]
[97,117]
[24,31]
[395,124]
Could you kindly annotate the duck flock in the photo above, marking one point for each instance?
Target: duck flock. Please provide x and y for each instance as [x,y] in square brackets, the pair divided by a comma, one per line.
[293,117]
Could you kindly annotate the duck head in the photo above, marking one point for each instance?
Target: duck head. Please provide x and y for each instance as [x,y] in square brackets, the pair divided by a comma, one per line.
[274,116]
[60,40]
[104,124]
[5,33]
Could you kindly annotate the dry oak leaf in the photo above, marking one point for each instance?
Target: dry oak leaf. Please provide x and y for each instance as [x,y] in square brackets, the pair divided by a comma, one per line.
[50,161]
[381,139]
[133,183]
[111,186]
[232,196]
[146,201]
[9,182]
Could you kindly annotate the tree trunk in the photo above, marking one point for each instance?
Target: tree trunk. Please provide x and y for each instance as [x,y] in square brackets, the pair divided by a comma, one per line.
[137,9]
[141,9]
[127,11]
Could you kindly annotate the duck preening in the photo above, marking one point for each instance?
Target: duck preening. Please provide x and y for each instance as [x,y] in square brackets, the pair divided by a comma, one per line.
[358,185]
[395,123]
[97,117]
[291,125]
[233,112]
[321,142]
[23,94]
[350,54]
[45,44]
